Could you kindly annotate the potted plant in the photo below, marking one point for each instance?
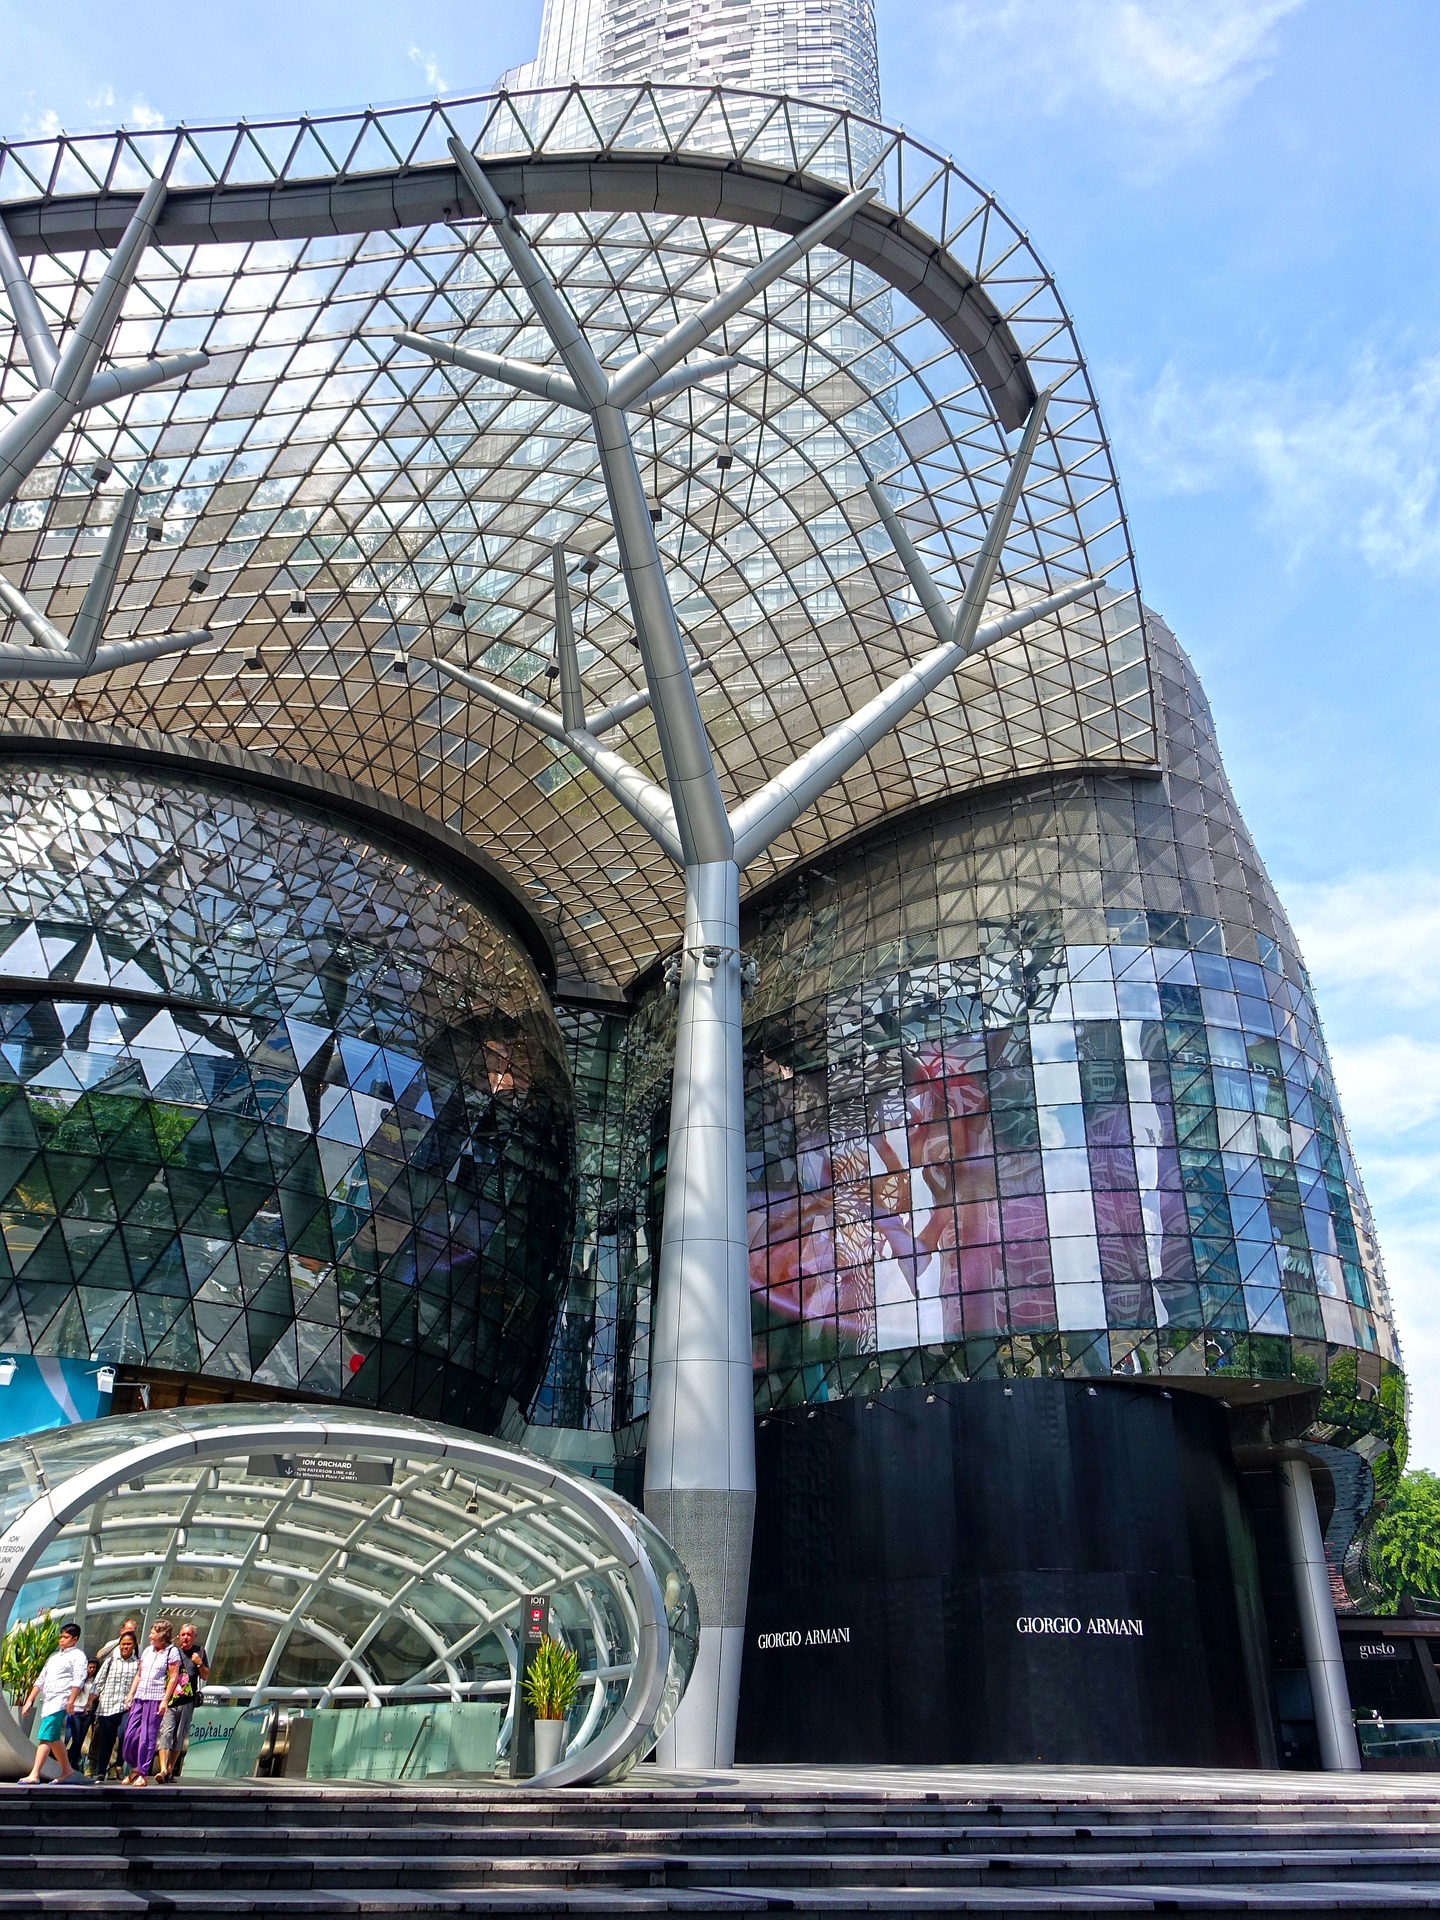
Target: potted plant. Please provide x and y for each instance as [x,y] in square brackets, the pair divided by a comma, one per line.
[552,1681]
[24,1651]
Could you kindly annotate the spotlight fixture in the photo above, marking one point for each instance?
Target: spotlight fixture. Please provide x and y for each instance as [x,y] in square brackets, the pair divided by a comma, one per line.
[105,1379]
[7,1372]
[552,672]
[589,565]
[181,1536]
[1091,1392]
[724,457]
[299,605]
[100,473]
[456,609]
[154,531]
[657,511]
[342,1560]
[401,665]
[263,1546]
[252,664]
[200,582]
[447,1480]
[472,1505]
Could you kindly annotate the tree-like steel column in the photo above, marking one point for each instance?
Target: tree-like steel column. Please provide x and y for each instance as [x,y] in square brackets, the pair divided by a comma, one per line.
[700,1457]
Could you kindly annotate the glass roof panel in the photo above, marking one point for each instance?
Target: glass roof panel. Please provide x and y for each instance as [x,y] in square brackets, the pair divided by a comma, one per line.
[339,499]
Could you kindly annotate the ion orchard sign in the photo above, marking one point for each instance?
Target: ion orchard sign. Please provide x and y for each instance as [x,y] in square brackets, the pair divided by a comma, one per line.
[1067,1623]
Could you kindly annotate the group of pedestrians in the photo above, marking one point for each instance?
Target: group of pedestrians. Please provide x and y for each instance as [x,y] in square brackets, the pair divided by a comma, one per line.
[141,1698]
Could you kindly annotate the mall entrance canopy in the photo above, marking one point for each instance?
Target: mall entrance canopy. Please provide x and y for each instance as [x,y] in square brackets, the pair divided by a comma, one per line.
[363,1557]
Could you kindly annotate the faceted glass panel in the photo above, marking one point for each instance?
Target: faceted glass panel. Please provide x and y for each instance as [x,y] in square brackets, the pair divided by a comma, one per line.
[275,1104]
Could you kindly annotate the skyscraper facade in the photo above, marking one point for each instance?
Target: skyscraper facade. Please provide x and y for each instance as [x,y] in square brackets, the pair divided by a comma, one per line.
[822,50]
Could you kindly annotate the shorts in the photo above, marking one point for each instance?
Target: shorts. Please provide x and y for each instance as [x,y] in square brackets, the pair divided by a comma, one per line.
[50,1727]
[175,1725]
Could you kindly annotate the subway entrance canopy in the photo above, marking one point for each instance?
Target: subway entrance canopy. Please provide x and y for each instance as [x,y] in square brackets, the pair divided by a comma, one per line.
[358,1558]
[326,507]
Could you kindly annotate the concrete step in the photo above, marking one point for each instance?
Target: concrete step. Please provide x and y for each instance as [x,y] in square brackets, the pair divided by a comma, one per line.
[933,1838]
[297,1868]
[1355,1902]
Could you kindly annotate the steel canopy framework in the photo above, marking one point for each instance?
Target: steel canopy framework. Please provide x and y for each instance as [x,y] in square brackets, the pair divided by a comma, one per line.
[343,500]
[422,1577]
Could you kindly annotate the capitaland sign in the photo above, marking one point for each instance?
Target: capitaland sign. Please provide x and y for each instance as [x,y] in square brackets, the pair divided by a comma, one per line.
[803,1637]
[1103,1626]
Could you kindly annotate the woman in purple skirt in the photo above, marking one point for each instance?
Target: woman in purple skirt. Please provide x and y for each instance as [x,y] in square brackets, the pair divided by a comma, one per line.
[149,1696]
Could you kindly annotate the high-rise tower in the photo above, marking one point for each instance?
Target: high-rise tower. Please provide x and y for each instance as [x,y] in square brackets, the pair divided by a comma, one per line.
[824,50]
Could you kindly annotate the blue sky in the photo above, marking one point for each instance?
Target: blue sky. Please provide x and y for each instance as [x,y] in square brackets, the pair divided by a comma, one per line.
[1241,200]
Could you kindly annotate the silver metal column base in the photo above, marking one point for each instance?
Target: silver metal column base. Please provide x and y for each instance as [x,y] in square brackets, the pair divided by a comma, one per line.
[1339,1749]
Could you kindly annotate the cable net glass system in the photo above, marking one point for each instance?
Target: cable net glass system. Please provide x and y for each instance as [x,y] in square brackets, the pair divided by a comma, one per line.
[324,500]
[404,1584]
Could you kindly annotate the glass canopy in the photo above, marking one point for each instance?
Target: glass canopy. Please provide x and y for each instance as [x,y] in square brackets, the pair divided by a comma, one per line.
[326,499]
[356,1558]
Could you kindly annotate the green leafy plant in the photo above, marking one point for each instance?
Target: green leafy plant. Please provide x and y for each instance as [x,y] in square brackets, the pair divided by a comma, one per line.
[24,1651]
[552,1680]
[1405,1541]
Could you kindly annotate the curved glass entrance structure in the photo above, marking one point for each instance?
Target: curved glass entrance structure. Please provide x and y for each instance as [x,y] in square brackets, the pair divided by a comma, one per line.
[356,1558]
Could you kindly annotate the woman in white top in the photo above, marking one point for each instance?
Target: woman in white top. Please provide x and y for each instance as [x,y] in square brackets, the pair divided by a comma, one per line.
[150,1693]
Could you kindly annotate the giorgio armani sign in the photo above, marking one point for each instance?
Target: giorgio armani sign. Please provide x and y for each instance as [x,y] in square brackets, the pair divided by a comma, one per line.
[806,1637]
[1104,1626]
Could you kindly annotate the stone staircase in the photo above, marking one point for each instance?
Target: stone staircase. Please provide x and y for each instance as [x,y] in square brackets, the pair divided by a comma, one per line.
[278,1849]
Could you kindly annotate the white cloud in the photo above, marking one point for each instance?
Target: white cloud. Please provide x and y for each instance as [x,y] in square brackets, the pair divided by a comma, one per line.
[1388,1086]
[428,65]
[1373,932]
[1372,943]
[1171,67]
[1347,460]
[46,123]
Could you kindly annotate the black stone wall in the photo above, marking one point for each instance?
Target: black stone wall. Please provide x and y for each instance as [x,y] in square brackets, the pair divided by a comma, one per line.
[902,1540]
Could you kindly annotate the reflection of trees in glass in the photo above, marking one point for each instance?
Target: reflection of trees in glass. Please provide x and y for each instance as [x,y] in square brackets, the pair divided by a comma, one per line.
[1367,1414]
[1405,1542]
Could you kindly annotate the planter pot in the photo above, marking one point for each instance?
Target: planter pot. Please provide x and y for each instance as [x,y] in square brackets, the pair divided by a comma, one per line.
[549,1744]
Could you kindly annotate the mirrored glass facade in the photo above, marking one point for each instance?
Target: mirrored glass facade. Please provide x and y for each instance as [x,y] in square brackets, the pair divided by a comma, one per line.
[276,1105]
[1036,1085]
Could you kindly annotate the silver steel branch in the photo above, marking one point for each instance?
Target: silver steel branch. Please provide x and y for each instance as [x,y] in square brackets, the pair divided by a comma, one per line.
[66,376]
[68,384]
[56,657]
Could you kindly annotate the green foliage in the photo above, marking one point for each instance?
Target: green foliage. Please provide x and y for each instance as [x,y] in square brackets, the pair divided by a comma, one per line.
[24,1651]
[1405,1541]
[552,1680]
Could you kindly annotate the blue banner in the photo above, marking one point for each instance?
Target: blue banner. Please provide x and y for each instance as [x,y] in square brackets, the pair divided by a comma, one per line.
[37,1392]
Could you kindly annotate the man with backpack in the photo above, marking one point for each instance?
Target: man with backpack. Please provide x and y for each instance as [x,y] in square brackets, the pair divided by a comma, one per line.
[175,1724]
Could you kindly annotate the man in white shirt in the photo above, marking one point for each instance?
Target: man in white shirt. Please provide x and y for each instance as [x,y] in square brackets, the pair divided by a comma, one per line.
[60,1684]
